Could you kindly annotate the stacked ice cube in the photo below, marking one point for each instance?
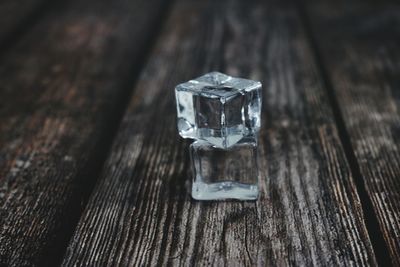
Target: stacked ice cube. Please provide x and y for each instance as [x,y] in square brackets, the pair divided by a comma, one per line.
[222,114]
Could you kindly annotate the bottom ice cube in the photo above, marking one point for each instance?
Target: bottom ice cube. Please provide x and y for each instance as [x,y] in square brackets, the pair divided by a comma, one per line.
[224,173]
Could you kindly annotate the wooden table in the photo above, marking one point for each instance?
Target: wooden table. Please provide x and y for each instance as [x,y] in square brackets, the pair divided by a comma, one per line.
[93,172]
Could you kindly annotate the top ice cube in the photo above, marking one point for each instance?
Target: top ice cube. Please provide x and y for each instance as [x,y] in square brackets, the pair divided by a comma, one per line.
[218,108]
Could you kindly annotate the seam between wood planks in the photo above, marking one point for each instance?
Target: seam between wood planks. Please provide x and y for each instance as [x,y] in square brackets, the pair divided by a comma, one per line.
[371,221]
[100,155]
[106,141]
[24,25]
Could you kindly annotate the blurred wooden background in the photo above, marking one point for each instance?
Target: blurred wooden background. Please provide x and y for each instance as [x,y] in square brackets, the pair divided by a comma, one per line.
[93,172]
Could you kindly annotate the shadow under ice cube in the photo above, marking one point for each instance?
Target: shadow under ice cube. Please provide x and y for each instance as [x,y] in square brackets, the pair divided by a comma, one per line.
[224,173]
[218,108]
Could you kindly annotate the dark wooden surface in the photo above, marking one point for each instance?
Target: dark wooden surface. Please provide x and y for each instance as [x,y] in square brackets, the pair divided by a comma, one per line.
[17,16]
[61,87]
[308,213]
[93,172]
[363,63]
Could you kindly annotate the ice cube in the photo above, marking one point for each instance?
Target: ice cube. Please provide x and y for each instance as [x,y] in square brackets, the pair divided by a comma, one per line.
[219,109]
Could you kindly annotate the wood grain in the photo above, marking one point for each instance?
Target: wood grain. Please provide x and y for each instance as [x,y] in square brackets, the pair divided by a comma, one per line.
[62,95]
[363,65]
[309,213]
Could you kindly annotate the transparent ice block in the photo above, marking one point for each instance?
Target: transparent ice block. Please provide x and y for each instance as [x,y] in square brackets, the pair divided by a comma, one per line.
[224,173]
[219,109]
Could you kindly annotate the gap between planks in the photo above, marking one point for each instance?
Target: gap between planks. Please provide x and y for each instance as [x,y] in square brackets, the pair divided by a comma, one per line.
[375,24]
[380,247]
[61,117]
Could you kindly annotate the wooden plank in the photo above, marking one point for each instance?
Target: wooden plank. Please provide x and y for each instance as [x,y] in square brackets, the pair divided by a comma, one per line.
[309,212]
[17,15]
[62,96]
[361,52]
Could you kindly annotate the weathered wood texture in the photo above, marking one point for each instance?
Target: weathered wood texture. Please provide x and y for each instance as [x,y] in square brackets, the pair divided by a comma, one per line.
[360,44]
[63,86]
[16,15]
[309,212]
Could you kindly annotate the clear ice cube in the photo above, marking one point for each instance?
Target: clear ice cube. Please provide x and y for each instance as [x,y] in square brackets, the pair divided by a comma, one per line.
[224,173]
[218,108]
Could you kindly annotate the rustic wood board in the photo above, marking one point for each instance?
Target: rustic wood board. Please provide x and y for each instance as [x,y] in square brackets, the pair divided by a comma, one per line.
[309,212]
[361,54]
[61,98]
